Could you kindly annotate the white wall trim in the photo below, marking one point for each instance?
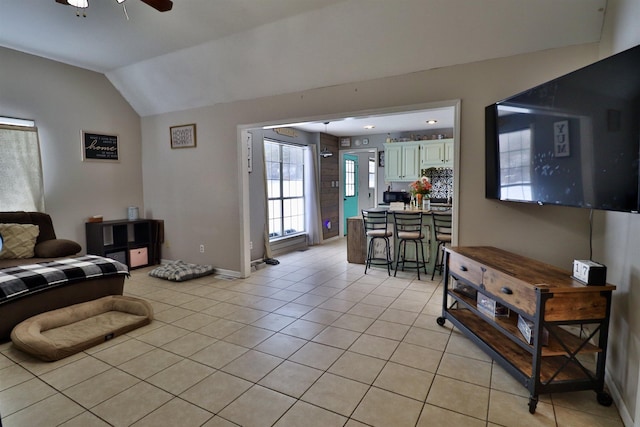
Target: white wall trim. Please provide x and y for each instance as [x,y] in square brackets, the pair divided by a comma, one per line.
[230,273]
[618,400]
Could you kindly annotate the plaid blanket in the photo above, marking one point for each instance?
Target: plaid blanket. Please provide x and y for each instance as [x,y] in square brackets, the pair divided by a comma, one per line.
[19,280]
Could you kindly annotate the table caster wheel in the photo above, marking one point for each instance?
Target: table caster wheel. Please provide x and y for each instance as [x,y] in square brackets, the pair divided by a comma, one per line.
[440,321]
[533,402]
[604,398]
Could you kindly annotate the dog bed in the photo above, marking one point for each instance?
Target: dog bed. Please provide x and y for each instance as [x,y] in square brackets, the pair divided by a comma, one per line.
[179,271]
[57,334]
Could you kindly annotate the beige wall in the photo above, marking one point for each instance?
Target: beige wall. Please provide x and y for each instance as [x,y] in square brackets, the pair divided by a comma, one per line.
[616,244]
[63,100]
[197,190]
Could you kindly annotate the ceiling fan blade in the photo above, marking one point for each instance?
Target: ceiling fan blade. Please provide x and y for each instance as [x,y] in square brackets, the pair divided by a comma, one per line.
[62,1]
[159,5]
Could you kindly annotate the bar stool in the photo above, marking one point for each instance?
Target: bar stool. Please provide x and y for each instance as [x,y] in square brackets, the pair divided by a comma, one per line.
[408,228]
[376,227]
[442,231]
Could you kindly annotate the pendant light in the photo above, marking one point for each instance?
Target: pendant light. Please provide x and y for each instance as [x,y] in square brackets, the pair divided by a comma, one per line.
[325,152]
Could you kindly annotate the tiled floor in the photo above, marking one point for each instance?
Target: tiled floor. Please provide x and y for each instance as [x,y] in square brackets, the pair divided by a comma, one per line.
[309,342]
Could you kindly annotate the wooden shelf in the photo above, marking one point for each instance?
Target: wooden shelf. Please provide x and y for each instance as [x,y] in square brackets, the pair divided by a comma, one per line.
[518,357]
[118,238]
[554,346]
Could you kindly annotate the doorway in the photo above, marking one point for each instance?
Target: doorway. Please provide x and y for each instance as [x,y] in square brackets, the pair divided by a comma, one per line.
[251,234]
[365,181]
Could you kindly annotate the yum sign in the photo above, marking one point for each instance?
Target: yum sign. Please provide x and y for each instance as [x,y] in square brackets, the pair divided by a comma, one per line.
[561,139]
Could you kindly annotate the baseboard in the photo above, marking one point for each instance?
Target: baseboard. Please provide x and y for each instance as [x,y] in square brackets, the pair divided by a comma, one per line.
[627,419]
[331,239]
[229,273]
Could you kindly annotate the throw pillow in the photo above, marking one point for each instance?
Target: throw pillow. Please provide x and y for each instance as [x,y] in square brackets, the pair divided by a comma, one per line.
[56,248]
[19,240]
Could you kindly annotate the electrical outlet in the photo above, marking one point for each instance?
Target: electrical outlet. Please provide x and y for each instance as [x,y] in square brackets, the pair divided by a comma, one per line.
[250,245]
[202,249]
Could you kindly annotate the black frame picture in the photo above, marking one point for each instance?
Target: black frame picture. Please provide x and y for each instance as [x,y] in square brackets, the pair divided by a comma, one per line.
[100,147]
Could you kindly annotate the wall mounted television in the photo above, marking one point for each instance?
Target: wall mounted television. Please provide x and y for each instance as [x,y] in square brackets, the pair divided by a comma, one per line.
[573,141]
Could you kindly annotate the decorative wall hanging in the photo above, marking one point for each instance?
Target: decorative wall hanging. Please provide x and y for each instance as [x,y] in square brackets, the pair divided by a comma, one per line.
[561,142]
[98,147]
[183,136]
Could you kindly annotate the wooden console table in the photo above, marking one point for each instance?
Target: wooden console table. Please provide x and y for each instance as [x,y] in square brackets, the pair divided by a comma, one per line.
[569,320]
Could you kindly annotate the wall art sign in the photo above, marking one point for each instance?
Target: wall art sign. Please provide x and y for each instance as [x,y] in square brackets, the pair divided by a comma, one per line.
[183,136]
[99,146]
[561,139]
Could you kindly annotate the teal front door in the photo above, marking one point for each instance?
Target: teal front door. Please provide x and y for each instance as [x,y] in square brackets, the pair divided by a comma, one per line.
[350,187]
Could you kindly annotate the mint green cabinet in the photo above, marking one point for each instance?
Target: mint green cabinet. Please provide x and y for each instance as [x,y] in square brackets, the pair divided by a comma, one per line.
[402,161]
[438,154]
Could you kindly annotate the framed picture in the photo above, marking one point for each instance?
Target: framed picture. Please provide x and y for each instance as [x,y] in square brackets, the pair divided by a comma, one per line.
[183,136]
[345,142]
[381,159]
[99,147]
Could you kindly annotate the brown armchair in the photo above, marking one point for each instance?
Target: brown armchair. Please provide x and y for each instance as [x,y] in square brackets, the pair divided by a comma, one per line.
[46,245]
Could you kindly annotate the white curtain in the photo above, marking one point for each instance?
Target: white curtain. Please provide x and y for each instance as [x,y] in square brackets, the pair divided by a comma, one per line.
[21,187]
[312,196]
[267,244]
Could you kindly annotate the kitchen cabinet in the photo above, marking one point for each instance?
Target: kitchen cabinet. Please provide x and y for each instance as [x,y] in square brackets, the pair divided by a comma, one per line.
[402,161]
[438,153]
[545,328]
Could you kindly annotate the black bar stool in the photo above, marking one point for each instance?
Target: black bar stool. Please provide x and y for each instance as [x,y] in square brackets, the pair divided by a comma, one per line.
[442,231]
[376,227]
[408,228]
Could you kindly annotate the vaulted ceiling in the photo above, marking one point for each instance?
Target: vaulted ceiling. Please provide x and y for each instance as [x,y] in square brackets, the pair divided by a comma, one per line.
[205,52]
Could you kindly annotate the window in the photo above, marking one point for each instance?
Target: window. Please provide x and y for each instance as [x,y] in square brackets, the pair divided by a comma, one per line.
[515,165]
[372,173]
[21,185]
[284,166]
[349,178]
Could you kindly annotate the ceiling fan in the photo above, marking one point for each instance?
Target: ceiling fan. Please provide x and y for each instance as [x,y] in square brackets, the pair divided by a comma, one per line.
[159,5]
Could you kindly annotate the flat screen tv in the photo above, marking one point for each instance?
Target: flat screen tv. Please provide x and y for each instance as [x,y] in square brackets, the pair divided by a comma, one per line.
[573,141]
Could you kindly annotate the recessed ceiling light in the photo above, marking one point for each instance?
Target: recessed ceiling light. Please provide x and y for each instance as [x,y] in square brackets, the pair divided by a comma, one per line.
[432,122]
[369,127]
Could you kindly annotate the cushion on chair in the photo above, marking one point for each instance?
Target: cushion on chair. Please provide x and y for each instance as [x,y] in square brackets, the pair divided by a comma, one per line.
[410,235]
[380,233]
[19,240]
[60,333]
[178,271]
[444,237]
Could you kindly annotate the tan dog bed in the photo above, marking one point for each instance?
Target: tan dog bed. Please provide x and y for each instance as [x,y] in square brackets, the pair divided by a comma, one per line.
[60,333]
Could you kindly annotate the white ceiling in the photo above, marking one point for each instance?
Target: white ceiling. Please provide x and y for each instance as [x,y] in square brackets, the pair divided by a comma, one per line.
[415,120]
[105,40]
[206,52]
